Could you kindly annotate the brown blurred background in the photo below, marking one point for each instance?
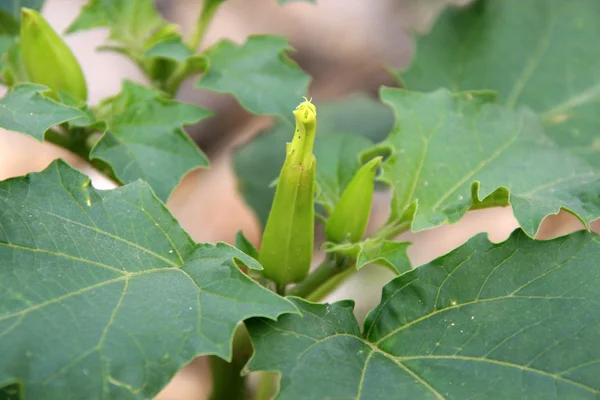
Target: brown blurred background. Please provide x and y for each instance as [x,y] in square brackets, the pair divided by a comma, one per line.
[344,45]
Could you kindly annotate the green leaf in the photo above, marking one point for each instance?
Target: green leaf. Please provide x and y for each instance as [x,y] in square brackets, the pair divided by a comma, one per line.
[258,74]
[344,128]
[103,295]
[245,245]
[145,140]
[448,146]
[131,23]
[172,48]
[515,320]
[546,59]
[25,110]
[375,251]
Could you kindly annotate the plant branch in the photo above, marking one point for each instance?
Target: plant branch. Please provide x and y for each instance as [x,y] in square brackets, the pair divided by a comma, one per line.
[77,144]
[208,11]
[227,380]
[323,277]
[390,231]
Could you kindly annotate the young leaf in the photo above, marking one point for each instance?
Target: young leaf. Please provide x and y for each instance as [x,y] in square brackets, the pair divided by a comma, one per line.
[245,245]
[145,140]
[102,293]
[25,110]
[515,320]
[547,59]
[346,128]
[448,146]
[130,23]
[172,48]
[375,251]
[258,74]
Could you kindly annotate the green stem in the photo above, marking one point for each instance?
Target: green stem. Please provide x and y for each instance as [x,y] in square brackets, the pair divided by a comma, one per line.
[390,231]
[324,279]
[68,142]
[267,386]
[208,11]
[280,289]
[334,271]
[227,380]
[330,285]
[77,144]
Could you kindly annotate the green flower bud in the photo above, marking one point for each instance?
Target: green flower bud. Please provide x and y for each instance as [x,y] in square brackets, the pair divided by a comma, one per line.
[349,218]
[47,59]
[287,243]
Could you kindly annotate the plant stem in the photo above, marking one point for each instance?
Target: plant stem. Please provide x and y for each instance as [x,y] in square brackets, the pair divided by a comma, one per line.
[227,380]
[334,271]
[330,285]
[208,11]
[322,278]
[67,142]
[77,144]
[280,289]
[390,231]
[267,386]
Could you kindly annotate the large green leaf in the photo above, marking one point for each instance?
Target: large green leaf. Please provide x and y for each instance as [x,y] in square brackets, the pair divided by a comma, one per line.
[344,129]
[25,109]
[257,73]
[540,53]
[102,293]
[145,140]
[447,146]
[515,320]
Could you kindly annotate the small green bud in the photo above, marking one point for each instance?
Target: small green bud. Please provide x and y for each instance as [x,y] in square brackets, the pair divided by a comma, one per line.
[288,240]
[47,59]
[349,218]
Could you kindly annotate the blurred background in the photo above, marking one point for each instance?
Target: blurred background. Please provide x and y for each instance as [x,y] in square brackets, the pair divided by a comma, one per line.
[345,45]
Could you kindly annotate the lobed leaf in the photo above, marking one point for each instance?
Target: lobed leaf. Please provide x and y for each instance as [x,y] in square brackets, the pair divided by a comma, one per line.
[130,23]
[145,138]
[375,251]
[103,295]
[452,151]
[25,109]
[257,73]
[515,320]
[539,53]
